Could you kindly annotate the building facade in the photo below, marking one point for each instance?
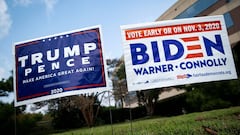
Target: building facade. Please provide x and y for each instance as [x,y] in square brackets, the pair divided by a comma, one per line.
[230,9]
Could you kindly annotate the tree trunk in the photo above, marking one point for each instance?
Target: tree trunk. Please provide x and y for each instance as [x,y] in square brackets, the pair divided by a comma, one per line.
[150,109]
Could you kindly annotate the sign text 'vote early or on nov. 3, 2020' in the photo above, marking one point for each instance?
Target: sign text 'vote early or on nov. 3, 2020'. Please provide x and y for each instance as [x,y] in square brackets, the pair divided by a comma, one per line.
[176,52]
[59,65]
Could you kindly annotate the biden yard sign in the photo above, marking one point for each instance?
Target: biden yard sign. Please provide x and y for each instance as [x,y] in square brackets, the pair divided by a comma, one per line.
[177,52]
[59,65]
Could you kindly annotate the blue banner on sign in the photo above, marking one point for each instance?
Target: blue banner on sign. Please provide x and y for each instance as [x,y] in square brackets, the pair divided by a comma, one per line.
[59,64]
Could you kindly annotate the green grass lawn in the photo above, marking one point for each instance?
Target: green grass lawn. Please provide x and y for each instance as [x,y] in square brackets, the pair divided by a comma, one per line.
[220,122]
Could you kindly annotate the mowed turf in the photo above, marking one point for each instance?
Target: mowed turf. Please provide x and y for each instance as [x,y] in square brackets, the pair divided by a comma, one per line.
[220,122]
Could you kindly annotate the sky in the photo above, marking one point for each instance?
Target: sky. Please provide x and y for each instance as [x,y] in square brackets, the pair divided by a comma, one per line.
[22,20]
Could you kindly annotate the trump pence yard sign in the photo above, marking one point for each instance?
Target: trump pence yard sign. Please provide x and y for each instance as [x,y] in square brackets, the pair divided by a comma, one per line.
[59,65]
[177,52]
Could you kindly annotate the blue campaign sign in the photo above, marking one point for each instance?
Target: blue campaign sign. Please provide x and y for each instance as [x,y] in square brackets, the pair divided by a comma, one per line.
[60,65]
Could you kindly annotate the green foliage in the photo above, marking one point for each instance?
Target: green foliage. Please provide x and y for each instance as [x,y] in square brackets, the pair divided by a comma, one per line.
[6,118]
[213,95]
[66,119]
[23,123]
[171,107]
[26,122]
[6,86]
[121,72]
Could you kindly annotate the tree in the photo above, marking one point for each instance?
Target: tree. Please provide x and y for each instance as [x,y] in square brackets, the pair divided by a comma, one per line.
[65,116]
[6,86]
[120,90]
[121,73]
[119,82]
[148,98]
[87,104]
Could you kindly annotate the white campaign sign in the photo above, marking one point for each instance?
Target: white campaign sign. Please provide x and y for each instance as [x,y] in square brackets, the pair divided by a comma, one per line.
[177,52]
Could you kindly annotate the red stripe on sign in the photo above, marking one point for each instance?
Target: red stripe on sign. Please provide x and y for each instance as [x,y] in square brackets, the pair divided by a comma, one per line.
[194,55]
[85,86]
[33,96]
[132,34]
[194,47]
[189,39]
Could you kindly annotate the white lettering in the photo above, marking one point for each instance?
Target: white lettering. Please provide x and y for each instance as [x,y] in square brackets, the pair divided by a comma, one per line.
[70,62]
[23,60]
[27,71]
[89,47]
[55,65]
[41,69]
[49,55]
[37,58]
[85,60]
[74,52]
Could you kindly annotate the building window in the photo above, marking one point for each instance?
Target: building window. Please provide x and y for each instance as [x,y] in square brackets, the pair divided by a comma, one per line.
[228,20]
[196,8]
